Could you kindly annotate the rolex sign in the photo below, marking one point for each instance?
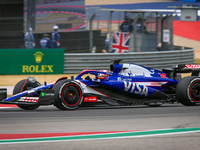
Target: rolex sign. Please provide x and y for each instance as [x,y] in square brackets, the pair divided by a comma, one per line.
[31,61]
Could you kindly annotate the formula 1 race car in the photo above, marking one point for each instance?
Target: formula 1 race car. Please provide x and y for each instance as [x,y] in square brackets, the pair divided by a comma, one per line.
[125,84]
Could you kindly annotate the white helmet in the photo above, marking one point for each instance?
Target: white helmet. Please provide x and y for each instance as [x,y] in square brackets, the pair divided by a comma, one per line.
[30,29]
[55,27]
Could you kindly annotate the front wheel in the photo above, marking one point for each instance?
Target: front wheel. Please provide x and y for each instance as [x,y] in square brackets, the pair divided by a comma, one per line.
[24,85]
[68,94]
[188,91]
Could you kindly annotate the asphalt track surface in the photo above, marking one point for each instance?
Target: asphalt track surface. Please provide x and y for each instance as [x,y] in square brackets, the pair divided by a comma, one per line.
[48,120]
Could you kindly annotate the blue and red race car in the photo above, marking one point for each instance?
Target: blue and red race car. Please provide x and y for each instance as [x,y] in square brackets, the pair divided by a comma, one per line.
[125,84]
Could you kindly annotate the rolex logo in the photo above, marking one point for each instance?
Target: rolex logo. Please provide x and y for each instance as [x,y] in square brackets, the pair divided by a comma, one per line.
[38,56]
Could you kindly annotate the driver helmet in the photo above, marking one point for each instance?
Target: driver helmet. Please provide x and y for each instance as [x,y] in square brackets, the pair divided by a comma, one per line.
[104,70]
[55,27]
[101,75]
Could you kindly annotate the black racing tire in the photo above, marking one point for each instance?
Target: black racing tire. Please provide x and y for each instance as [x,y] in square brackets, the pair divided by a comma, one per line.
[19,87]
[188,91]
[68,95]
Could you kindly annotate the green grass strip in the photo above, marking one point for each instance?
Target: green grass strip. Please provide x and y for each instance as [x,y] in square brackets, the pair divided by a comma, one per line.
[103,136]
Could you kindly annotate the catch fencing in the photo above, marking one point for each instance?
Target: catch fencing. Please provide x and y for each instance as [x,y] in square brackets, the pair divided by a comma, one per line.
[77,62]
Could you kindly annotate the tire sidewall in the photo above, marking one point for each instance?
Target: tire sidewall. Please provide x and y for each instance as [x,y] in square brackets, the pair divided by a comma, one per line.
[189,88]
[183,90]
[20,87]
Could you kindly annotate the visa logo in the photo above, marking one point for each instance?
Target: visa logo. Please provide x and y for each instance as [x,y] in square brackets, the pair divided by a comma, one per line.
[135,88]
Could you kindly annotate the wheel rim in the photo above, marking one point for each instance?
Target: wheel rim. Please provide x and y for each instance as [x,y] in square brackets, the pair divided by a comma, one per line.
[195,91]
[71,94]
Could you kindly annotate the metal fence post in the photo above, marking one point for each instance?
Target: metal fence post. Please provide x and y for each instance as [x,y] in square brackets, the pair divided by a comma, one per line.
[87,17]
[109,30]
[91,34]
[163,44]
[119,18]
[98,17]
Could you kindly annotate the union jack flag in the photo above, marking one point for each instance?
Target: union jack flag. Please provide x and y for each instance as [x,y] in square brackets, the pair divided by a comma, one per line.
[120,42]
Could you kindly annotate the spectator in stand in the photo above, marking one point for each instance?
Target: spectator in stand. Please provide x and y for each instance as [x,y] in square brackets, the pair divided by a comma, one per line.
[45,42]
[55,37]
[131,27]
[140,27]
[29,40]
[125,26]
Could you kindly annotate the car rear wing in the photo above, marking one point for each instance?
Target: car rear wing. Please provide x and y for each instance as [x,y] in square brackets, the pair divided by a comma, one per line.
[183,68]
[187,68]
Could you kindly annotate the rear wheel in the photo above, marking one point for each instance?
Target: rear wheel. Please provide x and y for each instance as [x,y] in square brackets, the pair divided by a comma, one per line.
[22,86]
[68,94]
[188,91]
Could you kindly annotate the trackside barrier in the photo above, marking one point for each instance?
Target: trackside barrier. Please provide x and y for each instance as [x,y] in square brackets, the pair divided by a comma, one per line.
[77,62]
